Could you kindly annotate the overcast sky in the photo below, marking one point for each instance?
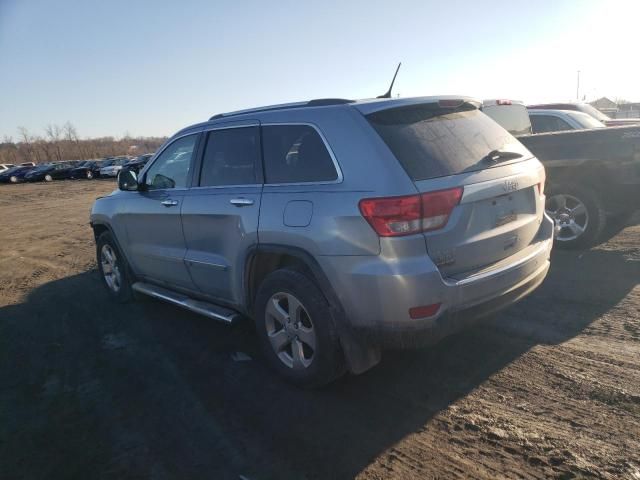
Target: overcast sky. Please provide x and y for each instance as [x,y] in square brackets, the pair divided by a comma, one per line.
[152,67]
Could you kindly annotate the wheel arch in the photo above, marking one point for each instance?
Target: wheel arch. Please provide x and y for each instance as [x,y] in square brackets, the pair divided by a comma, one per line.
[360,355]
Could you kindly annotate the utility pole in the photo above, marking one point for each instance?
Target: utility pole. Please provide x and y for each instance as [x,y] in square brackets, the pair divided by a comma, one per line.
[578,87]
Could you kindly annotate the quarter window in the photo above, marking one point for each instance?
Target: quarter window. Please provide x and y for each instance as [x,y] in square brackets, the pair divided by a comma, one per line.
[171,168]
[230,157]
[296,154]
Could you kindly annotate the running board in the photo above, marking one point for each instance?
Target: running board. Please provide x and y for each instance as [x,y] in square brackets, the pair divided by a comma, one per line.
[207,309]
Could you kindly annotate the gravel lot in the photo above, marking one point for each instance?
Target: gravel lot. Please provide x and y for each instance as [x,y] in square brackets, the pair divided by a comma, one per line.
[91,389]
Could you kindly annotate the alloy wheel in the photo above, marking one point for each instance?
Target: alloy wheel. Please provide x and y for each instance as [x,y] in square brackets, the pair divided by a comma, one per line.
[569,214]
[290,331]
[110,268]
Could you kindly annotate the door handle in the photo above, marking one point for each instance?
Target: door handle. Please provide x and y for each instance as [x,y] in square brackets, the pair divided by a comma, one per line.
[241,202]
[169,203]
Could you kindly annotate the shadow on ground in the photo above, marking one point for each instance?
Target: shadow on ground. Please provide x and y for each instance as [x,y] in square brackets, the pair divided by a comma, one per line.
[92,389]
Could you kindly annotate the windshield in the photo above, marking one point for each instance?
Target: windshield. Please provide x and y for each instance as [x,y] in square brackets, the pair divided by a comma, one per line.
[594,112]
[586,121]
[12,170]
[431,142]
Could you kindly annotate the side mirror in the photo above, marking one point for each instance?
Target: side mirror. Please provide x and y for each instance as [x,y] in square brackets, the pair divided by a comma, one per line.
[128,180]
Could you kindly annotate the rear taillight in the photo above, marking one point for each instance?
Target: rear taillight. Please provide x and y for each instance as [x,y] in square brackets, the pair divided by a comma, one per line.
[437,206]
[397,216]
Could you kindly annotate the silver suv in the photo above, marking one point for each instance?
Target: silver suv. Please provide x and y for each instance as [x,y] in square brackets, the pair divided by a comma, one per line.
[340,227]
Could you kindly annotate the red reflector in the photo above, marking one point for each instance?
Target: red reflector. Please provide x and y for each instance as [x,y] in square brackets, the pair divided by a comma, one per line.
[396,216]
[424,311]
[503,102]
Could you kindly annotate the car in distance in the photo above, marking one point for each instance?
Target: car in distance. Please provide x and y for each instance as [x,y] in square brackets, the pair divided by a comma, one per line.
[14,175]
[113,168]
[340,227]
[49,172]
[593,174]
[137,163]
[543,121]
[508,112]
[589,110]
[6,166]
[88,169]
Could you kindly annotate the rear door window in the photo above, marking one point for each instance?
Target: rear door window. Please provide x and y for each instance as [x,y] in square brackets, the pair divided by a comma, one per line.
[432,142]
[296,154]
[230,157]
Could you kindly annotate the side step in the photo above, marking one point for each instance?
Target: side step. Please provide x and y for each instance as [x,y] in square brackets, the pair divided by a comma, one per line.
[207,309]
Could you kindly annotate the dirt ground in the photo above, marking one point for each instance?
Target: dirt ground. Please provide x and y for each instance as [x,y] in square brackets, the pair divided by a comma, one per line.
[92,389]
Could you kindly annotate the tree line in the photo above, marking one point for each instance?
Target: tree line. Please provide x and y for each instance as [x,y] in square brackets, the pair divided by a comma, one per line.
[61,142]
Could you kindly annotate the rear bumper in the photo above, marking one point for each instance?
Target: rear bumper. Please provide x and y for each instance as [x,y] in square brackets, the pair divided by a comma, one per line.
[427,332]
[376,294]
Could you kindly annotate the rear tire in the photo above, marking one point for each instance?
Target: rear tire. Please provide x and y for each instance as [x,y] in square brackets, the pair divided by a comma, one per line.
[113,268]
[48,178]
[296,330]
[89,174]
[578,214]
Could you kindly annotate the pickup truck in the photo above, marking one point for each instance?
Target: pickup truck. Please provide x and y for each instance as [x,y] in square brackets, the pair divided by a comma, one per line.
[593,175]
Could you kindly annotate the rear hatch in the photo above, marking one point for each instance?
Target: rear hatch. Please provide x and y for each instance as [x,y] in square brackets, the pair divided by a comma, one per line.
[451,146]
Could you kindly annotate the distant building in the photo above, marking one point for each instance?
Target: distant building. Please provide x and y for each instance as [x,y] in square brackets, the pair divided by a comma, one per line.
[628,110]
[617,110]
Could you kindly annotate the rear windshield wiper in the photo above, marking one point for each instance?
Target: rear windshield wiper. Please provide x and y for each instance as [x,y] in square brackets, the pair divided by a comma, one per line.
[496,156]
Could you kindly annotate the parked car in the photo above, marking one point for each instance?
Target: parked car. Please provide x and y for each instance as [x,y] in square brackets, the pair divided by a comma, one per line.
[14,175]
[89,169]
[113,168]
[593,176]
[543,121]
[6,166]
[589,110]
[137,163]
[49,172]
[372,223]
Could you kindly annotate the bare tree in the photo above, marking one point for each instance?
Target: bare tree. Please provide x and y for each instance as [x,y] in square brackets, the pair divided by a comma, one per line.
[54,133]
[27,142]
[63,143]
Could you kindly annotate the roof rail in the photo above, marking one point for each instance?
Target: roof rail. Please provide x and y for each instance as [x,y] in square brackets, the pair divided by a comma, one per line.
[318,102]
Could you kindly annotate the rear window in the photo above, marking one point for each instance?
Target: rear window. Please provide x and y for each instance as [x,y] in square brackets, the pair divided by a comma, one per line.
[513,118]
[431,142]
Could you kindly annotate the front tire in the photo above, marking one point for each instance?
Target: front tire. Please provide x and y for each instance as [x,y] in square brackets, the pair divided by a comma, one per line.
[113,269]
[48,178]
[578,214]
[296,329]
[89,175]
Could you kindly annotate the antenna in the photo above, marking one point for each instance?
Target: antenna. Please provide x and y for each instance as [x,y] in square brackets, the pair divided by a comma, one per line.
[388,94]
